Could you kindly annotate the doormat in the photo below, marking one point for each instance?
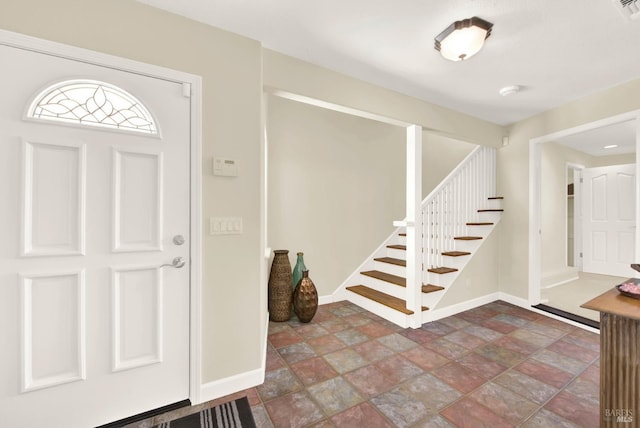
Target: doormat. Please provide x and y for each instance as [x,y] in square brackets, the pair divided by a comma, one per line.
[568,315]
[234,414]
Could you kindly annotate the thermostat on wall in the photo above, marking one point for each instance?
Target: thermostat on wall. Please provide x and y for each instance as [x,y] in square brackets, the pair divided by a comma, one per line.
[225,167]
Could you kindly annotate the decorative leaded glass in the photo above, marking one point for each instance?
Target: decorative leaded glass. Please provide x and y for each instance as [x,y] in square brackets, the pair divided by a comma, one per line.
[92,103]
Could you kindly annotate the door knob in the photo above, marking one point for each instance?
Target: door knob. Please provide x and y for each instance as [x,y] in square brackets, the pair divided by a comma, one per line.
[177,263]
[178,239]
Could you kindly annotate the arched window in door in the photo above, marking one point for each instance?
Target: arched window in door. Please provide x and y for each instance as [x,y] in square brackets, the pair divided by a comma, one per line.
[92,103]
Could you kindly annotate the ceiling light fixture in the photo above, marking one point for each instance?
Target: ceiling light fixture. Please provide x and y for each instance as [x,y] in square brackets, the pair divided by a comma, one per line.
[463,39]
[611,146]
[509,90]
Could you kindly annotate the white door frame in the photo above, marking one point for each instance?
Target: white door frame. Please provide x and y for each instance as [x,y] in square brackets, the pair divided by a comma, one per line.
[576,170]
[535,193]
[22,41]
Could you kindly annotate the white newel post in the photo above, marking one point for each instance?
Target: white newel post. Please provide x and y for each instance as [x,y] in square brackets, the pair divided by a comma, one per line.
[414,224]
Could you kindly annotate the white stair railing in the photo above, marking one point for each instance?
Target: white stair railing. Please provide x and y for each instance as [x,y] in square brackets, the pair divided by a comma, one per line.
[441,216]
[455,202]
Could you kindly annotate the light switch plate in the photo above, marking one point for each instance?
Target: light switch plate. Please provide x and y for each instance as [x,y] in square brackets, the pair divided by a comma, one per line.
[225,225]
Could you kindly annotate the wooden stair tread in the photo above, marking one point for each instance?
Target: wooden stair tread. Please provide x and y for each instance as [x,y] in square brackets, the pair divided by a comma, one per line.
[467,238]
[391,260]
[397,247]
[456,253]
[482,223]
[382,298]
[387,277]
[442,270]
[497,197]
[496,210]
[398,280]
[430,288]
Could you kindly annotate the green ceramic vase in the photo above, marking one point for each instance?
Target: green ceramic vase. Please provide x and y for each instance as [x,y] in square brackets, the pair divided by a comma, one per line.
[298,269]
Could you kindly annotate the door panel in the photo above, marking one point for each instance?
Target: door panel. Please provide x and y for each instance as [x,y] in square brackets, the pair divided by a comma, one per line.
[53,345]
[93,328]
[137,317]
[609,225]
[137,200]
[53,201]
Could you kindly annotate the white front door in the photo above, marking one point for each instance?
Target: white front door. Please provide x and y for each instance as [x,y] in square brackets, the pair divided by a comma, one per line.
[92,328]
[609,220]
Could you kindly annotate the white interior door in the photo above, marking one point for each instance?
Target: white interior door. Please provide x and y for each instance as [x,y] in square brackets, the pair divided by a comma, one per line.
[92,328]
[609,220]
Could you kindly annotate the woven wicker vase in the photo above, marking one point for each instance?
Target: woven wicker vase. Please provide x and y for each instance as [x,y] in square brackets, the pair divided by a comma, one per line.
[280,291]
[305,298]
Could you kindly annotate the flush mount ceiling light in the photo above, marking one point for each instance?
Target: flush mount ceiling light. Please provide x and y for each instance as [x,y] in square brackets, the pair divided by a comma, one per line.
[463,39]
[510,90]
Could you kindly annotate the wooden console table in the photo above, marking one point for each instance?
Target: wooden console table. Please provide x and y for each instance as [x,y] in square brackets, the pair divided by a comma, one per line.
[619,359]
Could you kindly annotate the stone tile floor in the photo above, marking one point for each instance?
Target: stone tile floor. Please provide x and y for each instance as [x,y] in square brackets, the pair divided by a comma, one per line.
[494,366]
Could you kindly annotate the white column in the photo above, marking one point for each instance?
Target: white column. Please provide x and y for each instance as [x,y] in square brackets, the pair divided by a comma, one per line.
[414,223]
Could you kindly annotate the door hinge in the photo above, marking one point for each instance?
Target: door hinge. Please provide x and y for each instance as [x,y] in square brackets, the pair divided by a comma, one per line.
[581,180]
[186,90]
[580,254]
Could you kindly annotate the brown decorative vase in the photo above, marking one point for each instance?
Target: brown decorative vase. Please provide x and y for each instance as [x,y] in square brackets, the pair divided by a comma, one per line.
[305,298]
[280,292]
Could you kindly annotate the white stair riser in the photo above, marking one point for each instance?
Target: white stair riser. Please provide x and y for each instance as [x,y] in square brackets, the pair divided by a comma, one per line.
[494,204]
[492,216]
[383,311]
[430,299]
[455,262]
[384,286]
[402,240]
[469,246]
[390,268]
[483,231]
[396,254]
[442,279]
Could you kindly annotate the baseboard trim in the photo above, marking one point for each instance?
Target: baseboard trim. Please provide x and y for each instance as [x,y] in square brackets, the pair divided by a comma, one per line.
[510,298]
[324,300]
[559,277]
[451,310]
[232,384]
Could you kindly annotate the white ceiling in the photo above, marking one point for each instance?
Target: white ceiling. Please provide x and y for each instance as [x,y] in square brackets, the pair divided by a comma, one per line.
[557,50]
[593,142]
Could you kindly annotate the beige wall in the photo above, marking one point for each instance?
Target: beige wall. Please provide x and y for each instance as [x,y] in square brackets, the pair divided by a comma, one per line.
[613,160]
[513,172]
[336,183]
[231,70]
[440,155]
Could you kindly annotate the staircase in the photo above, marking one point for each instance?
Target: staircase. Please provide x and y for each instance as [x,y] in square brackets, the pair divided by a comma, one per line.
[456,218]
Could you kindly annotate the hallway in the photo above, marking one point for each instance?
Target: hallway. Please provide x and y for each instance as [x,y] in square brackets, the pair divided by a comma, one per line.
[568,297]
